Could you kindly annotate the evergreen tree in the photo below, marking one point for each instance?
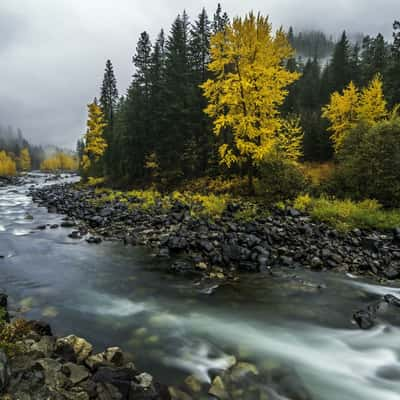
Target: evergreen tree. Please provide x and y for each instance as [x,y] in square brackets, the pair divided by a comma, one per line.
[340,67]
[220,21]
[109,93]
[179,94]
[393,71]
[199,49]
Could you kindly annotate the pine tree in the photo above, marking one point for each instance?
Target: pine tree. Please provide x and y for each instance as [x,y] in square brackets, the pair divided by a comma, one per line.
[199,49]
[108,102]
[392,74]
[178,91]
[220,21]
[109,93]
[340,65]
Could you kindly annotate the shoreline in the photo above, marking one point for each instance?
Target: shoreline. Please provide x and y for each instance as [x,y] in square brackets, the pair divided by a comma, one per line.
[224,248]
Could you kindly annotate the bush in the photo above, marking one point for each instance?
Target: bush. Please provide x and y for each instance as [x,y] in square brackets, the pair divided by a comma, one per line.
[279,180]
[369,163]
[345,215]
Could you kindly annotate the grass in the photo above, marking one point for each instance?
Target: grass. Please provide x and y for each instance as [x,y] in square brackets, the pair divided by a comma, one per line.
[346,215]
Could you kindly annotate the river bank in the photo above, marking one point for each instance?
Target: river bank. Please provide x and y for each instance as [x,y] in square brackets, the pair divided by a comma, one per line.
[221,248]
[284,332]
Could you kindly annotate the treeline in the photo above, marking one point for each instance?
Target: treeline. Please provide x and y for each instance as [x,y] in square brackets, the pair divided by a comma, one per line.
[18,155]
[349,62]
[158,131]
[13,143]
[311,44]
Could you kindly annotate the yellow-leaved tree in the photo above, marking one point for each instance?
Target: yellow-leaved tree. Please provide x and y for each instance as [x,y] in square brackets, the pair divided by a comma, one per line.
[95,144]
[7,165]
[24,160]
[351,107]
[248,85]
[59,162]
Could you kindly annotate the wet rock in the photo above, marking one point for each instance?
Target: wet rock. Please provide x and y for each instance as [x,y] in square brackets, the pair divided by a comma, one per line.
[365,319]
[176,394]
[120,378]
[218,389]
[193,384]
[68,224]
[392,272]
[75,235]
[40,327]
[94,240]
[5,372]
[82,349]
[241,370]
[75,373]
[41,227]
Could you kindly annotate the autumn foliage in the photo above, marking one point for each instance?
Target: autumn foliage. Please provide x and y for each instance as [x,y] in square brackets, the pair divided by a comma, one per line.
[59,162]
[94,142]
[345,111]
[7,165]
[248,86]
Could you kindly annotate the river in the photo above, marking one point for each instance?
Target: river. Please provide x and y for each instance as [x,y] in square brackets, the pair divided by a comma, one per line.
[117,295]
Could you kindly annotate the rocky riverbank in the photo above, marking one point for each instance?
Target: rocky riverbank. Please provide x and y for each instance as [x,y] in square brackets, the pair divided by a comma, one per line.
[36,365]
[226,246]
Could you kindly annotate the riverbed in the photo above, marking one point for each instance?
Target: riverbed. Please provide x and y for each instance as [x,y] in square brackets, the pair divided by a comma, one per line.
[113,294]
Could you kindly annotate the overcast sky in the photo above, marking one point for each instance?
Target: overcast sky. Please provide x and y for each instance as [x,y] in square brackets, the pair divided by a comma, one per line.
[53,52]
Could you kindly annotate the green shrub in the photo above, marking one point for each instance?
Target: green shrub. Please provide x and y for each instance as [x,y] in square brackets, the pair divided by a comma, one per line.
[369,164]
[345,215]
[279,180]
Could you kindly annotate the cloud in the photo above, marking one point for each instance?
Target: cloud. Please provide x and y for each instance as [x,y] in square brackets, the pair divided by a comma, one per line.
[52,53]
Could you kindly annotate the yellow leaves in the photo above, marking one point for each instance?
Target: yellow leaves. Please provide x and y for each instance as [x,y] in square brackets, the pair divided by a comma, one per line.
[95,145]
[59,162]
[248,87]
[7,165]
[346,110]
[24,160]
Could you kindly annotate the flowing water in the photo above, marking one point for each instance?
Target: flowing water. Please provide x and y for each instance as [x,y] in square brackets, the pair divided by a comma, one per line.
[116,295]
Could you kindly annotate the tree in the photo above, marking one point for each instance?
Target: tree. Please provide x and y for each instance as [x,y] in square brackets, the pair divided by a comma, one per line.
[95,144]
[346,110]
[369,163]
[247,98]
[220,21]
[392,74]
[109,93]
[7,165]
[340,64]
[24,160]
[199,50]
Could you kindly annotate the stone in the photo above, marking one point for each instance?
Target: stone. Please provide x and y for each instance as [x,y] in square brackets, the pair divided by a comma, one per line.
[82,348]
[193,384]
[114,356]
[145,380]
[218,389]
[364,319]
[75,373]
[176,394]
[241,369]
[5,372]
[67,224]
[316,263]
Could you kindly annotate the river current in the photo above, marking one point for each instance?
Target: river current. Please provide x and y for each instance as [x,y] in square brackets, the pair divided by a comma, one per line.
[173,327]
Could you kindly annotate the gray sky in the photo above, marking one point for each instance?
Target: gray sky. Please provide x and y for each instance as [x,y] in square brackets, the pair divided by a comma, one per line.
[53,52]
